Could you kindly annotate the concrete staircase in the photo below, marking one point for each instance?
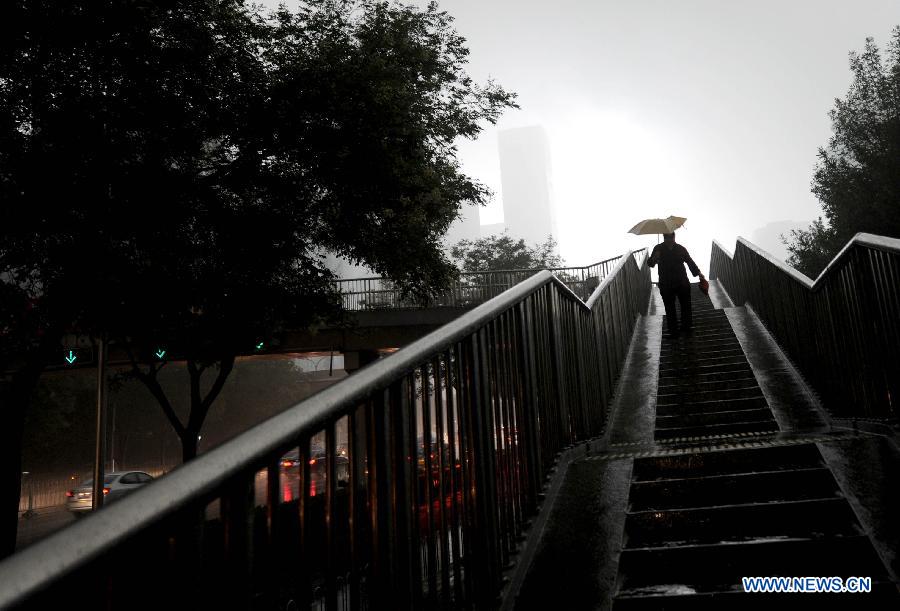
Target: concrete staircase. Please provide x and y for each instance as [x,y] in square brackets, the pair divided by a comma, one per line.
[706,385]
[701,518]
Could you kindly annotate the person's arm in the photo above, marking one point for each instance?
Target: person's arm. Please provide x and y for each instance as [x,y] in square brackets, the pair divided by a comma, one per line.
[654,256]
[693,266]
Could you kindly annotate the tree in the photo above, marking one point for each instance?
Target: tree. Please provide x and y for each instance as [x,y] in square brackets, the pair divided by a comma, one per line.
[182,204]
[857,178]
[503,252]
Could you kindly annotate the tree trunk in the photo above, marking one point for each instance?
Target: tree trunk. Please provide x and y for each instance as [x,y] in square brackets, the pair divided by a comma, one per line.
[15,396]
[188,446]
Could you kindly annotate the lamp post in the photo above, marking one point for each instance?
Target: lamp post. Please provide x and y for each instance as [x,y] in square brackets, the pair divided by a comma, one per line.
[100,445]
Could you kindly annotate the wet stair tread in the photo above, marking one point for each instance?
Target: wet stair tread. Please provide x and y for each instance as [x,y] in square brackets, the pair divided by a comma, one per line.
[716,429]
[716,566]
[696,523]
[712,398]
[814,518]
[726,462]
[732,488]
[713,417]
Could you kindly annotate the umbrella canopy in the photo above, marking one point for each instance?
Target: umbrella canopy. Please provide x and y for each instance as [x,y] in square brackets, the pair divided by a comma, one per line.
[650,226]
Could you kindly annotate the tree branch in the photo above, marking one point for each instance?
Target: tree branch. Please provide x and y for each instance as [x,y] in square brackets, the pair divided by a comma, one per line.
[156,390]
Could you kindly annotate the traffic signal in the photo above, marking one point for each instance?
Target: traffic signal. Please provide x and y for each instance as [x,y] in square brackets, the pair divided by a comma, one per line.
[72,357]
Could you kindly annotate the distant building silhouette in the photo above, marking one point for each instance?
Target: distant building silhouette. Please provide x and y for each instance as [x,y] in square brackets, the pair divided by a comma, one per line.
[525,180]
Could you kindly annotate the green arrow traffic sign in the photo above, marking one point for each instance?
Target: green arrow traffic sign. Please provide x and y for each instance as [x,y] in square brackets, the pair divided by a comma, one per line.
[160,353]
[71,358]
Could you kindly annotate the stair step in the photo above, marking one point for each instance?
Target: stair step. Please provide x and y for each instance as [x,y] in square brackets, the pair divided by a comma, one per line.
[812,518]
[680,406]
[726,461]
[673,597]
[694,355]
[733,489]
[703,332]
[712,567]
[692,394]
[712,381]
[700,357]
[729,428]
[697,345]
[667,422]
[702,366]
[712,407]
[705,312]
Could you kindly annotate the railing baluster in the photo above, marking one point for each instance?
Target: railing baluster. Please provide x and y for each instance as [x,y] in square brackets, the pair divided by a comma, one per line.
[426,482]
[303,585]
[835,329]
[273,532]
[237,521]
[440,405]
[457,462]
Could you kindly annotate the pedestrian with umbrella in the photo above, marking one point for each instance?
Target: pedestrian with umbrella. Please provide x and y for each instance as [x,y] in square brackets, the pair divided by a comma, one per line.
[673,281]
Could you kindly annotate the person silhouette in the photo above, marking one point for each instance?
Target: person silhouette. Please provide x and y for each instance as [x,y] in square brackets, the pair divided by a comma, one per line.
[673,281]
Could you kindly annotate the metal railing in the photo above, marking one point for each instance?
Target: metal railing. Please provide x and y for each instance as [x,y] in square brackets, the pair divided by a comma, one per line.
[416,479]
[471,289]
[841,330]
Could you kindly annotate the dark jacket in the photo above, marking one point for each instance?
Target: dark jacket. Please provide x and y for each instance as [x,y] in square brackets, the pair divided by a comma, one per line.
[671,265]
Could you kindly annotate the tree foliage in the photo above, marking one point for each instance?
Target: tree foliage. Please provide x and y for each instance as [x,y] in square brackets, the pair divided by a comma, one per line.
[503,252]
[172,173]
[857,177]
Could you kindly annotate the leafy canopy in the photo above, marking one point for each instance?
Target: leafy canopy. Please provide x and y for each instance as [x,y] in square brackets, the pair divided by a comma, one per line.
[172,173]
[503,252]
[857,177]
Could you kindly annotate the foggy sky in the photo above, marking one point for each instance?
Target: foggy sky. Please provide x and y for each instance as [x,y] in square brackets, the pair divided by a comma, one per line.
[706,109]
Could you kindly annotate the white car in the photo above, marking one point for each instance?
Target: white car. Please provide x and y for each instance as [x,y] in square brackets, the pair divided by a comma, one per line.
[115,486]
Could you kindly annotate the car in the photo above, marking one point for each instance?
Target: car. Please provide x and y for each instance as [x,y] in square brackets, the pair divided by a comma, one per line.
[115,485]
[291,459]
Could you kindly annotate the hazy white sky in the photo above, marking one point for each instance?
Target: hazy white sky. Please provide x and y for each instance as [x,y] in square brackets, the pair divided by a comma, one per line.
[707,109]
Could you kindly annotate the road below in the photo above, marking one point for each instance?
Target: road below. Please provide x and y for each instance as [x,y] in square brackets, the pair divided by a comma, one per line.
[45,521]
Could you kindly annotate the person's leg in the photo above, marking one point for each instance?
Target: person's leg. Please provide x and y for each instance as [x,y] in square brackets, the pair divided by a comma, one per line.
[668,297]
[684,297]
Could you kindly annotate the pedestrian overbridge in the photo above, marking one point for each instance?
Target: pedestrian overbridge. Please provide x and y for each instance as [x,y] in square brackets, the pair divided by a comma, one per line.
[379,316]
[546,451]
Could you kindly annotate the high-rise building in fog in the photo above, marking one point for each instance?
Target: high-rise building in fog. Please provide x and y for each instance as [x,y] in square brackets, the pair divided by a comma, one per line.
[525,180]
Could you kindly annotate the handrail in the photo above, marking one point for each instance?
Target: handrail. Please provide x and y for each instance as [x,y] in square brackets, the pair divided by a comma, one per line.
[840,329]
[511,270]
[447,444]
[378,292]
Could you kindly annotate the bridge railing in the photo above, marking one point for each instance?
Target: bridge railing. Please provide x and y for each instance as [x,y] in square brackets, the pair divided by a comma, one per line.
[408,485]
[471,289]
[841,330]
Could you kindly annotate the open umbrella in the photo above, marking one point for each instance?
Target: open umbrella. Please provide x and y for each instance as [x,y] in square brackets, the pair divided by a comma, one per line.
[650,226]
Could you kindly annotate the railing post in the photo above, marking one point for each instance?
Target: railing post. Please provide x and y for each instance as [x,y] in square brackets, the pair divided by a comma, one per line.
[237,517]
[484,543]
[557,365]
[530,399]
[402,467]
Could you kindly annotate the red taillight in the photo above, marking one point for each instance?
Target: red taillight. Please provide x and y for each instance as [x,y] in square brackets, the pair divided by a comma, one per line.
[70,493]
[312,461]
[106,491]
[287,463]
